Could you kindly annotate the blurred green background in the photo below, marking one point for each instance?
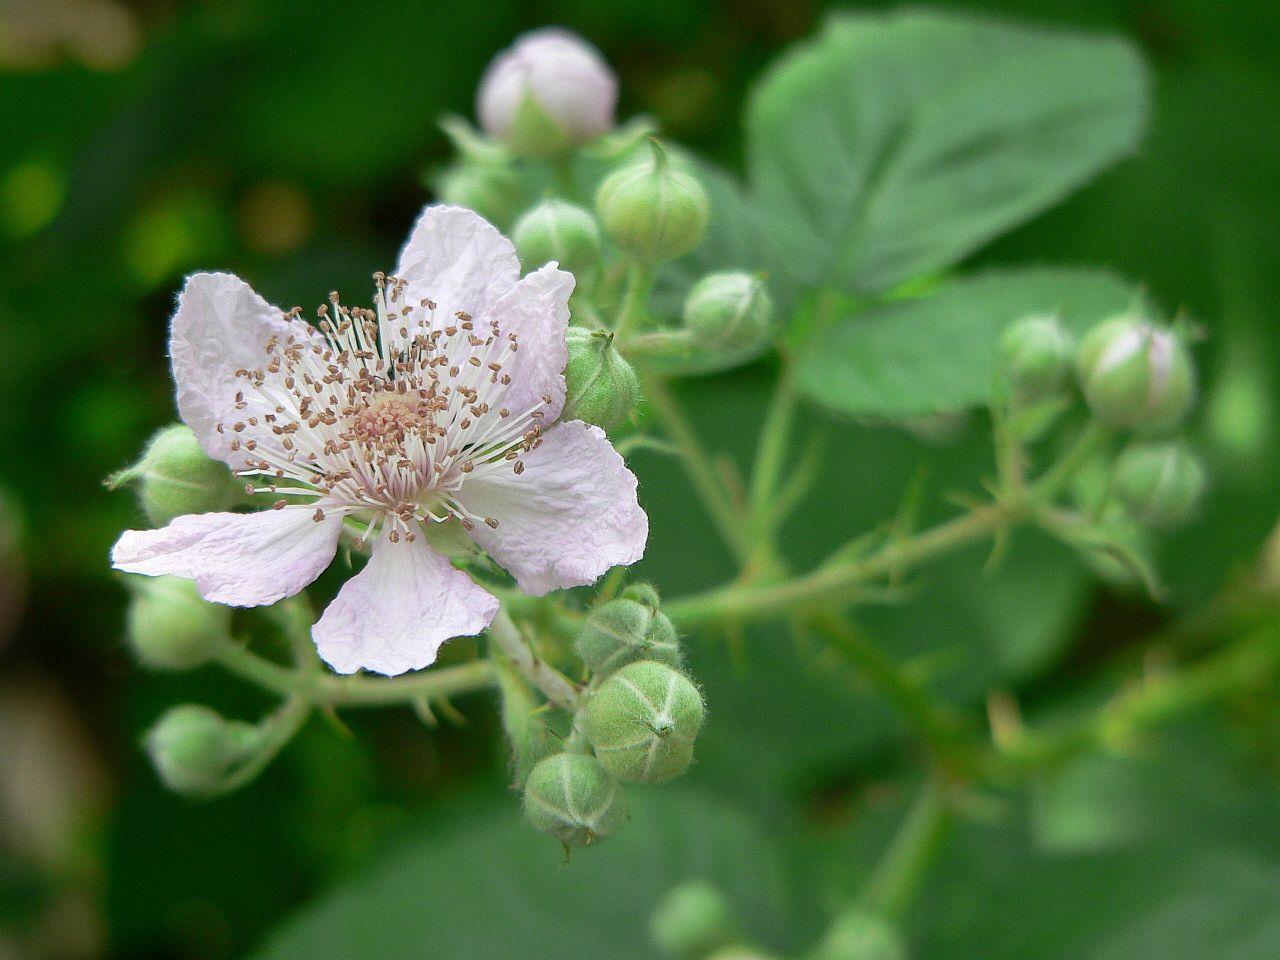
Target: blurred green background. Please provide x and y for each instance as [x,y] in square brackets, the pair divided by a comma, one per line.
[289,141]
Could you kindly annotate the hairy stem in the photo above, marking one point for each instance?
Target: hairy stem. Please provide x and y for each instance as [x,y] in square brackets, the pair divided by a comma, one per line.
[635,302]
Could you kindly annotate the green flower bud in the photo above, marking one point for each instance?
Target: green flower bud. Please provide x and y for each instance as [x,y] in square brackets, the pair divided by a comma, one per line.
[861,935]
[1034,357]
[1159,483]
[601,387]
[1134,374]
[729,311]
[175,477]
[491,189]
[193,748]
[572,797]
[555,230]
[651,209]
[625,630]
[170,626]
[642,722]
[693,920]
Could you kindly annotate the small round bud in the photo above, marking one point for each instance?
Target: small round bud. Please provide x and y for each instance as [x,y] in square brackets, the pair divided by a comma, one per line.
[490,189]
[729,311]
[693,920]
[861,935]
[1159,483]
[175,477]
[642,722]
[193,748]
[1134,374]
[555,230]
[1034,357]
[653,210]
[600,386]
[572,797]
[625,630]
[170,626]
[548,92]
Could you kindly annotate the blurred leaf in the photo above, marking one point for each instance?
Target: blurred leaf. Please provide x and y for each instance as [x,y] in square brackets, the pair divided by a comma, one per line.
[937,353]
[491,887]
[894,146]
[1192,875]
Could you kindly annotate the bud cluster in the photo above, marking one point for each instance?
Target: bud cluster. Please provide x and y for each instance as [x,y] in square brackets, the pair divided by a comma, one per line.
[639,718]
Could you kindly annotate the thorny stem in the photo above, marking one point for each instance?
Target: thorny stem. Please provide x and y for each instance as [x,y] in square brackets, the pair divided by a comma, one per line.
[935,724]
[702,472]
[557,688]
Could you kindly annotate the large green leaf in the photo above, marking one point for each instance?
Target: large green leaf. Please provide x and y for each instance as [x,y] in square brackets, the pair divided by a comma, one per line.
[893,146]
[937,353]
[489,888]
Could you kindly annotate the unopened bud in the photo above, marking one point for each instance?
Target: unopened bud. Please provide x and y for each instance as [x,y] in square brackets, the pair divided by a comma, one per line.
[560,231]
[574,799]
[176,477]
[490,189]
[692,921]
[642,722]
[1034,357]
[601,387]
[627,629]
[862,935]
[729,311]
[1159,483]
[653,210]
[193,748]
[548,92]
[1134,374]
[170,626]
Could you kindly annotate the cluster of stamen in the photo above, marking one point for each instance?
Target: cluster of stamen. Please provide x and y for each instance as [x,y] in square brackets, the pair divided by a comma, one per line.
[387,416]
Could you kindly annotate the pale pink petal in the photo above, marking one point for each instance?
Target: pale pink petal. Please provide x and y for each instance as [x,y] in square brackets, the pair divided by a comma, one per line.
[570,516]
[221,326]
[394,614]
[536,310]
[240,559]
[457,260]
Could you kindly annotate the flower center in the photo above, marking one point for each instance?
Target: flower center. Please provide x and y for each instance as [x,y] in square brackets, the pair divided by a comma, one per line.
[387,418]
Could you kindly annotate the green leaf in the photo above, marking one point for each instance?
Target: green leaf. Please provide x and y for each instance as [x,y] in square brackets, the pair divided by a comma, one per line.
[894,146]
[936,354]
[491,887]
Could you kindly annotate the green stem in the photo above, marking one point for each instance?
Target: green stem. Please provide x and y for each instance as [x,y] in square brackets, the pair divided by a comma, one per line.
[827,585]
[557,688]
[635,302]
[274,733]
[702,472]
[936,725]
[1154,701]
[902,869]
[356,691]
[771,451]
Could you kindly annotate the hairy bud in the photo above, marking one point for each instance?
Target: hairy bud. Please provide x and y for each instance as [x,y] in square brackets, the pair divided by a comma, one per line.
[490,189]
[693,921]
[653,210]
[1034,357]
[729,311]
[862,935]
[601,387]
[574,799]
[560,231]
[1134,374]
[642,722]
[627,629]
[193,748]
[1159,483]
[170,626]
[548,92]
[175,477]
